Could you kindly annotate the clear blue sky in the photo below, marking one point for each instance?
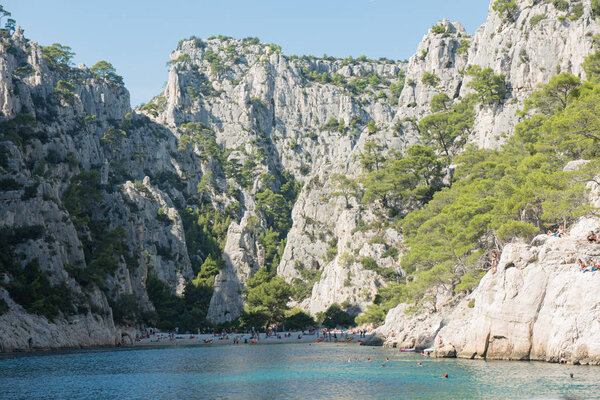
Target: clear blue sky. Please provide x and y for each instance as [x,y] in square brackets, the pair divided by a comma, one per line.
[137,36]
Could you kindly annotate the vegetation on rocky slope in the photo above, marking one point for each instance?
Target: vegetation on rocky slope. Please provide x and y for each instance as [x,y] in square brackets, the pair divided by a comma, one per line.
[453,204]
[497,195]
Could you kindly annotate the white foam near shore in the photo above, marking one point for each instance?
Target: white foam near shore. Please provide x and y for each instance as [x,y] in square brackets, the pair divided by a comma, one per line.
[163,339]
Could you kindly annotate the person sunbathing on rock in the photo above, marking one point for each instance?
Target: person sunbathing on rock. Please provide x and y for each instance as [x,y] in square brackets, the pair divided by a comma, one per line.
[562,232]
[592,238]
[583,267]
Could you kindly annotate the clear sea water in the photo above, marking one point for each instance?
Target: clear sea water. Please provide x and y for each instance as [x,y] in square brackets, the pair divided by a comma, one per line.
[282,371]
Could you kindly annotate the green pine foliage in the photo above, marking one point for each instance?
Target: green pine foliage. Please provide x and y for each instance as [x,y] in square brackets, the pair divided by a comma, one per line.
[447,131]
[463,46]
[20,129]
[430,79]
[496,196]
[596,8]
[336,316]
[296,320]
[507,9]
[105,70]
[65,91]
[438,29]
[201,137]
[404,182]
[489,87]
[57,57]
[517,191]
[267,296]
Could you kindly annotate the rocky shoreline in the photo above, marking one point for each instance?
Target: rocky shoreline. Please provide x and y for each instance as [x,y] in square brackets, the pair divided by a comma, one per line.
[537,306]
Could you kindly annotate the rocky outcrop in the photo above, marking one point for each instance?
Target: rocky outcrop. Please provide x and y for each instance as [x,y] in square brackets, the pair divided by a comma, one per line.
[21,331]
[537,306]
[240,254]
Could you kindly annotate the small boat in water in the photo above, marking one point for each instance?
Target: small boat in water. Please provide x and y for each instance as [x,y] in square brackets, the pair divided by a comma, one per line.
[404,349]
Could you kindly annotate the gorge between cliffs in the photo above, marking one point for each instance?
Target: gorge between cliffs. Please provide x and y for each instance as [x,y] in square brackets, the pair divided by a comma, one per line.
[443,202]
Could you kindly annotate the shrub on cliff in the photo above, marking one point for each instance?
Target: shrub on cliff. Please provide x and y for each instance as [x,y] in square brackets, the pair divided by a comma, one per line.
[489,87]
[430,79]
[507,9]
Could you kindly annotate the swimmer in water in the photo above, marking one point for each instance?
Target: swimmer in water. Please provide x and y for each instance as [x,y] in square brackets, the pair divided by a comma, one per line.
[369,359]
[420,364]
[383,364]
[446,375]
[349,359]
[356,359]
[387,359]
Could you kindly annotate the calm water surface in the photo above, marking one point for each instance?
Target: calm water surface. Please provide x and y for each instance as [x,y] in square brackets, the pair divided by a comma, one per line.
[282,371]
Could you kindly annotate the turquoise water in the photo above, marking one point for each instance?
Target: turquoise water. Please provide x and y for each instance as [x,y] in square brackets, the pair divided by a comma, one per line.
[282,371]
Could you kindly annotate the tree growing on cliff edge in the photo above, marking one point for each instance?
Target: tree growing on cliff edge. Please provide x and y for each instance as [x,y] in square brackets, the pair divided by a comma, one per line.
[371,158]
[346,187]
[105,70]
[448,131]
[507,9]
[489,87]
[10,23]
[57,56]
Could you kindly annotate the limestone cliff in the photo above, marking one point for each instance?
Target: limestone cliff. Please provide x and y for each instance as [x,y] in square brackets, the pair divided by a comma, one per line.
[537,306]
[238,119]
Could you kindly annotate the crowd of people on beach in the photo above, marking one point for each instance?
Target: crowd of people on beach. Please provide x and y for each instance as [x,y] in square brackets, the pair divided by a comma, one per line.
[252,335]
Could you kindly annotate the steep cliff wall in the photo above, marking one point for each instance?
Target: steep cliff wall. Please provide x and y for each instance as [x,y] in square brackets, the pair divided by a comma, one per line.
[70,212]
[237,119]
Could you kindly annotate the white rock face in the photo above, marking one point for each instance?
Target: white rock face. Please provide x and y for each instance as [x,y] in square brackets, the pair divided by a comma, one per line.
[537,306]
[261,91]
[240,254]
[270,111]
[537,45]
[67,141]
[17,327]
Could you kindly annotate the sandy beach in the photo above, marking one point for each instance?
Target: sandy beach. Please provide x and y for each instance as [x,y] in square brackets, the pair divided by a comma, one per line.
[162,339]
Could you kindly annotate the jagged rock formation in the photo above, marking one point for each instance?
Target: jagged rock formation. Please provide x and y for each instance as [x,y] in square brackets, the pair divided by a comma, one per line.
[255,97]
[55,142]
[301,119]
[537,306]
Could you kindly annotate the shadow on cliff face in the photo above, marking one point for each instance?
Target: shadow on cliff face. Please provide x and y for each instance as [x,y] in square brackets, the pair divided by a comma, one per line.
[226,303]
